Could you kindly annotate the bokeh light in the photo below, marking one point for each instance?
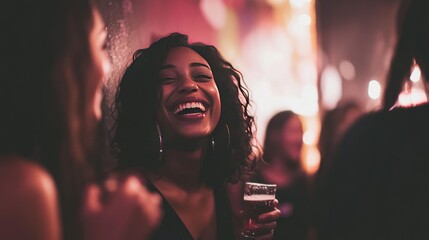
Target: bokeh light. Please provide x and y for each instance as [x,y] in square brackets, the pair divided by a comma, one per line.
[374,89]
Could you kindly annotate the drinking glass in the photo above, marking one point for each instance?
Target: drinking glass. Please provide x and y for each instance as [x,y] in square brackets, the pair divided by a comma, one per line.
[258,199]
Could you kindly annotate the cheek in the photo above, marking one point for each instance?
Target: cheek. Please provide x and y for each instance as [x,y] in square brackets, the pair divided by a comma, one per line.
[217,106]
[162,97]
[100,72]
[161,100]
[107,66]
[103,65]
[97,104]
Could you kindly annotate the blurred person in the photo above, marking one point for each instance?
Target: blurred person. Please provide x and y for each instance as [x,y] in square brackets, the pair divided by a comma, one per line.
[335,124]
[282,154]
[52,66]
[378,185]
[182,120]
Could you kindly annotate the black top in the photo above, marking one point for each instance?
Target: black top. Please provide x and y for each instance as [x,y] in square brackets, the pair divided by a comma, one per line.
[378,187]
[172,227]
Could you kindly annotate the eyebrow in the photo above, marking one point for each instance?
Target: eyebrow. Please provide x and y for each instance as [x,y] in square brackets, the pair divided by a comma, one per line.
[197,64]
[167,66]
[194,64]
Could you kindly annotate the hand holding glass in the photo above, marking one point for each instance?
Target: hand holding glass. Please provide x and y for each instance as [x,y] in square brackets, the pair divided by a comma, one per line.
[258,199]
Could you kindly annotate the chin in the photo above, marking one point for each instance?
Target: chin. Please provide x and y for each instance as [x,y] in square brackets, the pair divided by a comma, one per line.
[194,135]
[194,131]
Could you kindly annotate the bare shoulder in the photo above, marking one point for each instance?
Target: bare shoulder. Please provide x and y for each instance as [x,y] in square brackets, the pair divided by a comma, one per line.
[19,175]
[28,201]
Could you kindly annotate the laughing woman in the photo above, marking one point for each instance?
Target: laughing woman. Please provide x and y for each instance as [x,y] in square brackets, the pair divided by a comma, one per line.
[182,121]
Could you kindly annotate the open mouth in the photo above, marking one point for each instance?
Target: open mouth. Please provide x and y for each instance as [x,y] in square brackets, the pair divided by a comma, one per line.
[190,108]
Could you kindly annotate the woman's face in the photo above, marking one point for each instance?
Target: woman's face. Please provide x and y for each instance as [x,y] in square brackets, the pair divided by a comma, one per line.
[190,103]
[101,62]
[291,139]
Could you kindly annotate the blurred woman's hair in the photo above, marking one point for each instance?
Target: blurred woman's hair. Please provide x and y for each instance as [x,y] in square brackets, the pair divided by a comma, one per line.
[330,132]
[45,93]
[275,125]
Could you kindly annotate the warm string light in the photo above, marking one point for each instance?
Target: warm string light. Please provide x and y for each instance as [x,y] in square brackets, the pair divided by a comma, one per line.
[413,92]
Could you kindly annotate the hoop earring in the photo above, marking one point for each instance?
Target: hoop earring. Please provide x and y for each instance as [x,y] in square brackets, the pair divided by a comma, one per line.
[228,136]
[228,139]
[160,142]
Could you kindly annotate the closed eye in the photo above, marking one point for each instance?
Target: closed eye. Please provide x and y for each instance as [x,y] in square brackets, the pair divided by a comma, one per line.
[203,77]
[167,80]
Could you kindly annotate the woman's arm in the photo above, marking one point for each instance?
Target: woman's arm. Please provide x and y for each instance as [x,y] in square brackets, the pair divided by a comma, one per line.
[28,202]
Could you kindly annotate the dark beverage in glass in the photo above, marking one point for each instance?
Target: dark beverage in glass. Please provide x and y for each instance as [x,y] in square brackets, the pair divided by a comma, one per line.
[258,199]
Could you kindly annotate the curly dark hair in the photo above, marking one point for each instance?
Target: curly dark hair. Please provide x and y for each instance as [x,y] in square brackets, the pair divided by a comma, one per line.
[134,135]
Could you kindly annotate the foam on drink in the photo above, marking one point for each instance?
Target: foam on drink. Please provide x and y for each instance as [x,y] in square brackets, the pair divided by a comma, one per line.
[262,197]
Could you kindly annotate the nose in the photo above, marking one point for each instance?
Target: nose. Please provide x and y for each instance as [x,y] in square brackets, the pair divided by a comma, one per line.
[187,85]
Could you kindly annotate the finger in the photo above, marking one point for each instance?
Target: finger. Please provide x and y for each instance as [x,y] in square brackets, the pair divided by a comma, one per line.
[125,200]
[262,230]
[127,192]
[267,236]
[276,202]
[92,204]
[121,211]
[148,214]
[265,228]
[132,185]
[133,229]
[270,216]
[111,184]
[156,209]
[151,207]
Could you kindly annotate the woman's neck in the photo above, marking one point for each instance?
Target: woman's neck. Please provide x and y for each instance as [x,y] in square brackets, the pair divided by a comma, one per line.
[183,163]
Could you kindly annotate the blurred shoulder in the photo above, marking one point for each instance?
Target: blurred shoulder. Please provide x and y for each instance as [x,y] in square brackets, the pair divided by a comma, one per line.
[388,121]
[29,202]
[417,114]
[366,124]
[395,123]
[22,179]
[379,137]
[24,174]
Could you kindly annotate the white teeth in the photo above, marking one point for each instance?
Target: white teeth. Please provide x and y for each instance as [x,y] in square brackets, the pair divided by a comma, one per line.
[184,106]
